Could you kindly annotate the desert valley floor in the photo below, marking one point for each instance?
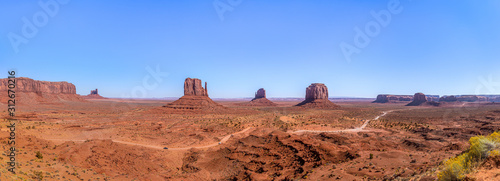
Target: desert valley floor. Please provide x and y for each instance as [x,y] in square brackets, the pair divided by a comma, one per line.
[118,139]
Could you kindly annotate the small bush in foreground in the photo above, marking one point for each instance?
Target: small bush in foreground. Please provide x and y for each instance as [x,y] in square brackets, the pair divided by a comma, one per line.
[480,148]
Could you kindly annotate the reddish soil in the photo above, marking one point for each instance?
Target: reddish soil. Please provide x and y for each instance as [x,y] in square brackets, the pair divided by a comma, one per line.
[119,139]
[259,102]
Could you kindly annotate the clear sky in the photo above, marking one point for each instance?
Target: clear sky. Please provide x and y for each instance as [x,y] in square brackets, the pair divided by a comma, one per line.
[239,46]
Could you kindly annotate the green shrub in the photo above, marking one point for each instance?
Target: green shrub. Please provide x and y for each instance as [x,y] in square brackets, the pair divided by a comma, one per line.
[38,155]
[480,148]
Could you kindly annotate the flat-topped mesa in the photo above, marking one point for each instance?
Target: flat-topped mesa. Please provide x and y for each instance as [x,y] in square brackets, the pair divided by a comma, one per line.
[195,97]
[418,99]
[261,93]
[317,97]
[24,84]
[448,99]
[192,87]
[387,98]
[30,92]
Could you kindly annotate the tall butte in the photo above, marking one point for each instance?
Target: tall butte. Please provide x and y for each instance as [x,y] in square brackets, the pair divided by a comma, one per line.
[195,97]
[317,97]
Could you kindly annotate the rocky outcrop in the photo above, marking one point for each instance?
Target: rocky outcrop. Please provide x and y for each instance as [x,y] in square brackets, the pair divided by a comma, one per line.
[468,98]
[192,87]
[387,98]
[195,97]
[29,91]
[261,93]
[317,97]
[431,98]
[448,99]
[29,85]
[260,99]
[418,99]
[94,94]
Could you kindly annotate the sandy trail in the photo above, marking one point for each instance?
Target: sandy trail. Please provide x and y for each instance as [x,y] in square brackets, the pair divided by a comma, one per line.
[358,129]
[226,138]
[223,140]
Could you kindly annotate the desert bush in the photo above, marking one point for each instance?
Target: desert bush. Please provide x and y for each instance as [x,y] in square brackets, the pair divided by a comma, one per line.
[38,155]
[480,148]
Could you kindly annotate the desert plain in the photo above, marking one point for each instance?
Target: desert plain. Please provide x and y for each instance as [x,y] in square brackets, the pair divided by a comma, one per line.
[134,139]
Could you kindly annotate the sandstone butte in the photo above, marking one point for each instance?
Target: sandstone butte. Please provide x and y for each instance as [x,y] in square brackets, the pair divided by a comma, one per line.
[195,97]
[317,97]
[94,94]
[260,99]
[418,99]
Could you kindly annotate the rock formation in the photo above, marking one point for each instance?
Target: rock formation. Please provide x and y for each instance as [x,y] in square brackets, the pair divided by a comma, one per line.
[317,97]
[261,93]
[468,98]
[29,85]
[260,99]
[448,99]
[387,98]
[94,94]
[418,99]
[195,97]
[192,87]
[29,91]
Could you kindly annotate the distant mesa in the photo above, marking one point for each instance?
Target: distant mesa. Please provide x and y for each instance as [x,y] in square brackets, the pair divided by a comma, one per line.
[387,98]
[317,97]
[94,94]
[418,99]
[448,99]
[29,91]
[260,99]
[195,97]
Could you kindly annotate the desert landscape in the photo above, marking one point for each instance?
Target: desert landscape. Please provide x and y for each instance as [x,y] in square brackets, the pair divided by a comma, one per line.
[239,90]
[64,136]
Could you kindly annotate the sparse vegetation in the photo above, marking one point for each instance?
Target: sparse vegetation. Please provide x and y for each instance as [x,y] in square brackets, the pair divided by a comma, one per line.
[38,155]
[481,147]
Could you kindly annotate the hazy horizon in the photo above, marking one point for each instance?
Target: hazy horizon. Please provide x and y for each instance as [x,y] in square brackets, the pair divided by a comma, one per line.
[437,48]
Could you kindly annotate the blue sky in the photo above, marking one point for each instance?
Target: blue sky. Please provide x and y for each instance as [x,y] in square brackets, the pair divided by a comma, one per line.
[434,47]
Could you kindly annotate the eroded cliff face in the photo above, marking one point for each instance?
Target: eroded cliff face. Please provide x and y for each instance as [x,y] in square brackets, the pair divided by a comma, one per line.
[33,92]
[317,97]
[192,87]
[24,84]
